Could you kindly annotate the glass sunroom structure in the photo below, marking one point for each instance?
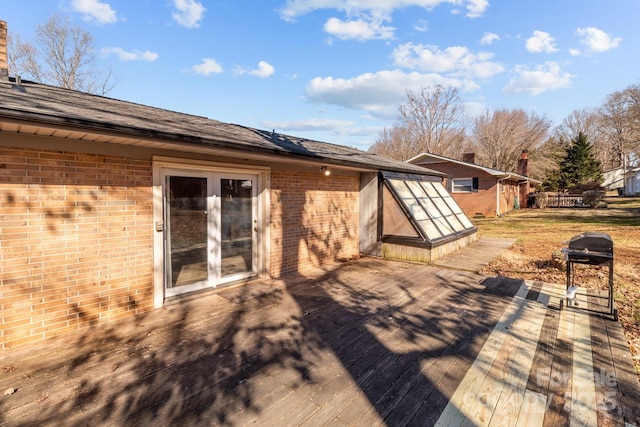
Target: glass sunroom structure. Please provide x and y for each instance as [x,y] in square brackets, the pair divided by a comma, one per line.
[417,211]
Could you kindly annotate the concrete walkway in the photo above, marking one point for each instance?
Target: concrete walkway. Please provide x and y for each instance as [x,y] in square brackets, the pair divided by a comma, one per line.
[475,256]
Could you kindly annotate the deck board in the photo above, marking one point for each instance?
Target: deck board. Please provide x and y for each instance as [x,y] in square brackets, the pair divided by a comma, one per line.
[625,378]
[370,342]
[583,393]
[463,400]
[558,406]
[604,371]
[519,365]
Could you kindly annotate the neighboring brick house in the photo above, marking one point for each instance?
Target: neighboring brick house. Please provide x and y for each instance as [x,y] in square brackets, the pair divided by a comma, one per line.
[110,208]
[481,191]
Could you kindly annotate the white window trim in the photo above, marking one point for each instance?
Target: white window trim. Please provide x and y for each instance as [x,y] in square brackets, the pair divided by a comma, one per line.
[453,185]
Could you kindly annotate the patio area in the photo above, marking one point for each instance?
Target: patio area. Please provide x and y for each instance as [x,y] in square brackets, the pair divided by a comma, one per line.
[366,342]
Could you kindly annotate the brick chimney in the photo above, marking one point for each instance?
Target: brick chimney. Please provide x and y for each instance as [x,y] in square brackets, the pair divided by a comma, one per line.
[469,157]
[4,66]
[523,163]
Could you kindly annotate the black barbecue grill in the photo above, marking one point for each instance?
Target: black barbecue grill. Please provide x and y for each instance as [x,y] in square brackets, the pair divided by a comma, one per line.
[593,249]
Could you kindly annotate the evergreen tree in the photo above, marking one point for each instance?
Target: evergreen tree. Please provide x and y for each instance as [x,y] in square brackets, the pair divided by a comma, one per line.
[579,166]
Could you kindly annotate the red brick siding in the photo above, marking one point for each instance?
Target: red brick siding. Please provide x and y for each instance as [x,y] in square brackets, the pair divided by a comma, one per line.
[484,200]
[314,219]
[75,241]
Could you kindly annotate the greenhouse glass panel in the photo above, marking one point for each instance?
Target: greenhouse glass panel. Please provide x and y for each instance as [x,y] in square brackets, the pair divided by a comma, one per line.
[428,206]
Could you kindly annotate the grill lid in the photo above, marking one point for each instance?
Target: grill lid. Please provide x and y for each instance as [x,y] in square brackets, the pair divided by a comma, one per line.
[592,242]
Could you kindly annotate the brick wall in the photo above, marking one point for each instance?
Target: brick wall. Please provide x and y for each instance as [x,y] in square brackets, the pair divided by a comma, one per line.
[75,241]
[314,219]
[484,200]
[481,202]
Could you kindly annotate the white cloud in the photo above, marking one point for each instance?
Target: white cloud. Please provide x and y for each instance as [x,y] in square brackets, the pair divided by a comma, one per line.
[476,8]
[358,29]
[94,10]
[474,108]
[597,40]
[421,26]
[543,78]
[264,70]
[489,38]
[296,8]
[188,13]
[379,93]
[457,60]
[207,67]
[134,55]
[541,42]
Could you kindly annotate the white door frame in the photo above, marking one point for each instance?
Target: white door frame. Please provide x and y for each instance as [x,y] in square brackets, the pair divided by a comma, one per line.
[162,165]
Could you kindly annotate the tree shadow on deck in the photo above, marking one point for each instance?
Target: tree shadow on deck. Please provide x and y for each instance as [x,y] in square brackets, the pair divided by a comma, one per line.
[193,369]
[405,340]
[406,344]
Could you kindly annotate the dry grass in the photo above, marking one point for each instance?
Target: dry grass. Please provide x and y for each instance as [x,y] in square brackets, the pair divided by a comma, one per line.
[537,252]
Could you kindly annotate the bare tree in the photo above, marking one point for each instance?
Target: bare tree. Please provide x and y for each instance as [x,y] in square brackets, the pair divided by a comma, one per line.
[501,137]
[430,121]
[583,121]
[620,124]
[588,123]
[63,56]
[394,143]
[544,162]
[22,58]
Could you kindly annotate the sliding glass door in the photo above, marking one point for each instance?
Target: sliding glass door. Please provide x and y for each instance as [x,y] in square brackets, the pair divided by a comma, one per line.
[210,225]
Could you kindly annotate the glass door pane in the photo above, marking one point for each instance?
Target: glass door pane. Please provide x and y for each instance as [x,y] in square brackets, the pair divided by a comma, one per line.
[187,231]
[237,226]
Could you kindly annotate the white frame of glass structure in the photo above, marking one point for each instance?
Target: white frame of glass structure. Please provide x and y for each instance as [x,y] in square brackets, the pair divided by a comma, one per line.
[429,207]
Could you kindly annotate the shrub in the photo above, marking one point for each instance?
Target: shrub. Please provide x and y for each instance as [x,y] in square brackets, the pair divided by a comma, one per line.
[542,199]
[593,198]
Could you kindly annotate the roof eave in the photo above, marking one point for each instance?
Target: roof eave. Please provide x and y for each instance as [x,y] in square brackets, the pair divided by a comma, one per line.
[182,142]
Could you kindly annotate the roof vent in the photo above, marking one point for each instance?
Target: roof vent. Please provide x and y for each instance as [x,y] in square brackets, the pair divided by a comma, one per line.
[17,86]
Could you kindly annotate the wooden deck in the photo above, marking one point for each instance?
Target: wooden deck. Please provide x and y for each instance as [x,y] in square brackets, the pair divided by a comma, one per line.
[370,342]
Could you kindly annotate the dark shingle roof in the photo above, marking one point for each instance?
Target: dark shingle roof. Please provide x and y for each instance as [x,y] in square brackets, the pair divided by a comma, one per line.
[53,106]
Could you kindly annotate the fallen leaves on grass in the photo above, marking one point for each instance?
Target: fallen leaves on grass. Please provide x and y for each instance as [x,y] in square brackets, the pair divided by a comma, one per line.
[539,236]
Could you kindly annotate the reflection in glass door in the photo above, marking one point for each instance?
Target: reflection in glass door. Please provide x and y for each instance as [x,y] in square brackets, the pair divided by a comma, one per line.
[187,232]
[237,226]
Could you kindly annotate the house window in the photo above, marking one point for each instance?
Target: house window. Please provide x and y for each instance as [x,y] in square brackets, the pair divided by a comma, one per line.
[465,185]
[431,215]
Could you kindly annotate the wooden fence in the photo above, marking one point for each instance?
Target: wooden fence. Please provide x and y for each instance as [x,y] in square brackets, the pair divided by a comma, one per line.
[559,200]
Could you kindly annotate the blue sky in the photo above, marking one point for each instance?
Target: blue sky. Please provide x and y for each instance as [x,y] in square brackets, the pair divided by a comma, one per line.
[336,70]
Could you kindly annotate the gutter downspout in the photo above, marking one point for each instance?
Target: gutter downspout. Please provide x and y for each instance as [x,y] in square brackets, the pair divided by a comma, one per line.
[503,178]
[498,197]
